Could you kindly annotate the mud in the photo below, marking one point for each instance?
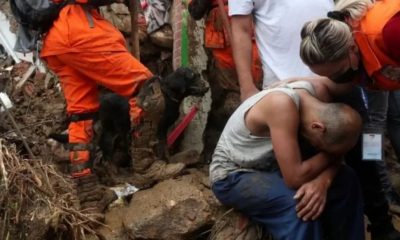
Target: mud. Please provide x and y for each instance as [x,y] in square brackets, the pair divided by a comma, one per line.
[39,110]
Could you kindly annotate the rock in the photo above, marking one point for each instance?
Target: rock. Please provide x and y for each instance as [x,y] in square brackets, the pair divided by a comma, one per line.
[188,157]
[235,226]
[118,14]
[120,9]
[114,229]
[170,210]
[163,37]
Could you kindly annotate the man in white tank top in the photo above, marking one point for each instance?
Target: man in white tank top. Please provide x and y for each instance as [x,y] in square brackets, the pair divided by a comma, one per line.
[258,169]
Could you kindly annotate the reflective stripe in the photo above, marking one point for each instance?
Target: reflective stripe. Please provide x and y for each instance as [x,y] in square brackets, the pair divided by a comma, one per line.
[82,173]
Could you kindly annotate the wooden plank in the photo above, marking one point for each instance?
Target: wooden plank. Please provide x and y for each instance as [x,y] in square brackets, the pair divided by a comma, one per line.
[26,76]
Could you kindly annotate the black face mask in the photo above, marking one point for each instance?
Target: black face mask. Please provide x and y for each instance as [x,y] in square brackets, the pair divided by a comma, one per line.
[347,76]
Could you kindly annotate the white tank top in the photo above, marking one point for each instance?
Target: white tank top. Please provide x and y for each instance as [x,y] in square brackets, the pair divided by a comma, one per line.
[238,149]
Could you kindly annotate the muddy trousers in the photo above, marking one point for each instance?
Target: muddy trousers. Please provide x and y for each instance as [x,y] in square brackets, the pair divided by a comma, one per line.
[80,74]
[264,197]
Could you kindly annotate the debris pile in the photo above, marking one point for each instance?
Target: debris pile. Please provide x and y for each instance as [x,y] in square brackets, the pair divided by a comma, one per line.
[39,107]
[37,202]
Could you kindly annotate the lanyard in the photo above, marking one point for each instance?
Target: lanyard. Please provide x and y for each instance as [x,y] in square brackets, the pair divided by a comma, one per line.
[364,97]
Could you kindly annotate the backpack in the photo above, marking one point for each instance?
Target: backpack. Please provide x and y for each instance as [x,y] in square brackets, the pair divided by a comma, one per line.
[35,17]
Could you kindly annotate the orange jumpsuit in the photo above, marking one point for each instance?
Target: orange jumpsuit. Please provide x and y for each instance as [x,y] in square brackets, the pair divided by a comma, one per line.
[374,43]
[217,39]
[85,51]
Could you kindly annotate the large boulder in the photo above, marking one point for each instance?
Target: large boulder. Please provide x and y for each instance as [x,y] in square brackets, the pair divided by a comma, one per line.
[171,210]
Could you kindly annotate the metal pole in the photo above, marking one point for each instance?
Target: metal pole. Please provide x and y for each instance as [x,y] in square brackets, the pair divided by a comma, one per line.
[31,156]
[133,8]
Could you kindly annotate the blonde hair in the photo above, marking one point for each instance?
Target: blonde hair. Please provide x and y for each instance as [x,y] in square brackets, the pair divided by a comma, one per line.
[356,9]
[329,40]
[324,40]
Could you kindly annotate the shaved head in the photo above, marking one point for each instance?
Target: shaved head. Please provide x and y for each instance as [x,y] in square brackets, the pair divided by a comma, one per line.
[343,124]
[331,127]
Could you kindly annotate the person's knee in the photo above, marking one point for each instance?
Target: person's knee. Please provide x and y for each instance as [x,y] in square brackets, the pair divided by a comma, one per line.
[254,190]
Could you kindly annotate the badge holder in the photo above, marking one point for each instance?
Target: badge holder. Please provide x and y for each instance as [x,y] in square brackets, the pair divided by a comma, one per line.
[372,144]
[372,138]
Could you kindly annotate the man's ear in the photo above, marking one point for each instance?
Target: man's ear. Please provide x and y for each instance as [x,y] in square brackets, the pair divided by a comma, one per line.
[318,126]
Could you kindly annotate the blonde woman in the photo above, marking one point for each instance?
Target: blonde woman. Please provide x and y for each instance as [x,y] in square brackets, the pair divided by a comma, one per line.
[360,42]
[358,34]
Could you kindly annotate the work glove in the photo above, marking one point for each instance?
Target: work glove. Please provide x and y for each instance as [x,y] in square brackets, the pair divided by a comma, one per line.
[92,196]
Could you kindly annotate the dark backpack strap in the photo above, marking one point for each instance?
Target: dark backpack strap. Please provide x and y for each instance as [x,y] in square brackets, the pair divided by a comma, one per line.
[86,9]
[83,116]
[79,146]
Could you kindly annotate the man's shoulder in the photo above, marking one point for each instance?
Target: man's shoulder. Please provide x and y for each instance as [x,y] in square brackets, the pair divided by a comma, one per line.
[275,102]
[277,97]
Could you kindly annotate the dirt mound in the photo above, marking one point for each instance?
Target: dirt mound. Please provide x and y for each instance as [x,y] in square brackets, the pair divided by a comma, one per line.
[39,107]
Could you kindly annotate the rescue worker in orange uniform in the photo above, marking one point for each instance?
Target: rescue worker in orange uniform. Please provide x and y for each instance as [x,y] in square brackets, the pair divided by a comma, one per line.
[224,83]
[86,51]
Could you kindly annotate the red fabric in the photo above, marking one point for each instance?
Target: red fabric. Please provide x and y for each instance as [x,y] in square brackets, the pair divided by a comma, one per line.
[181,126]
[391,37]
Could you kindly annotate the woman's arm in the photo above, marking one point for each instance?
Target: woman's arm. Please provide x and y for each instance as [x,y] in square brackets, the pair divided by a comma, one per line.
[325,89]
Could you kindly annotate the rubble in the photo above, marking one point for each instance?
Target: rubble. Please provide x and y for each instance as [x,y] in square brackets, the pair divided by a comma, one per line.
[118,14]
[37,202]
[163,37]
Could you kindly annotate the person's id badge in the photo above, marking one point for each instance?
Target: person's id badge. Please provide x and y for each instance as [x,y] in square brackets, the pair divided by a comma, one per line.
[372,142]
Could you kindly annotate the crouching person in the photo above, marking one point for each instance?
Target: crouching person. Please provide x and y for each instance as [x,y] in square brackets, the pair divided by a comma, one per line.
[257,167]
[86,51]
